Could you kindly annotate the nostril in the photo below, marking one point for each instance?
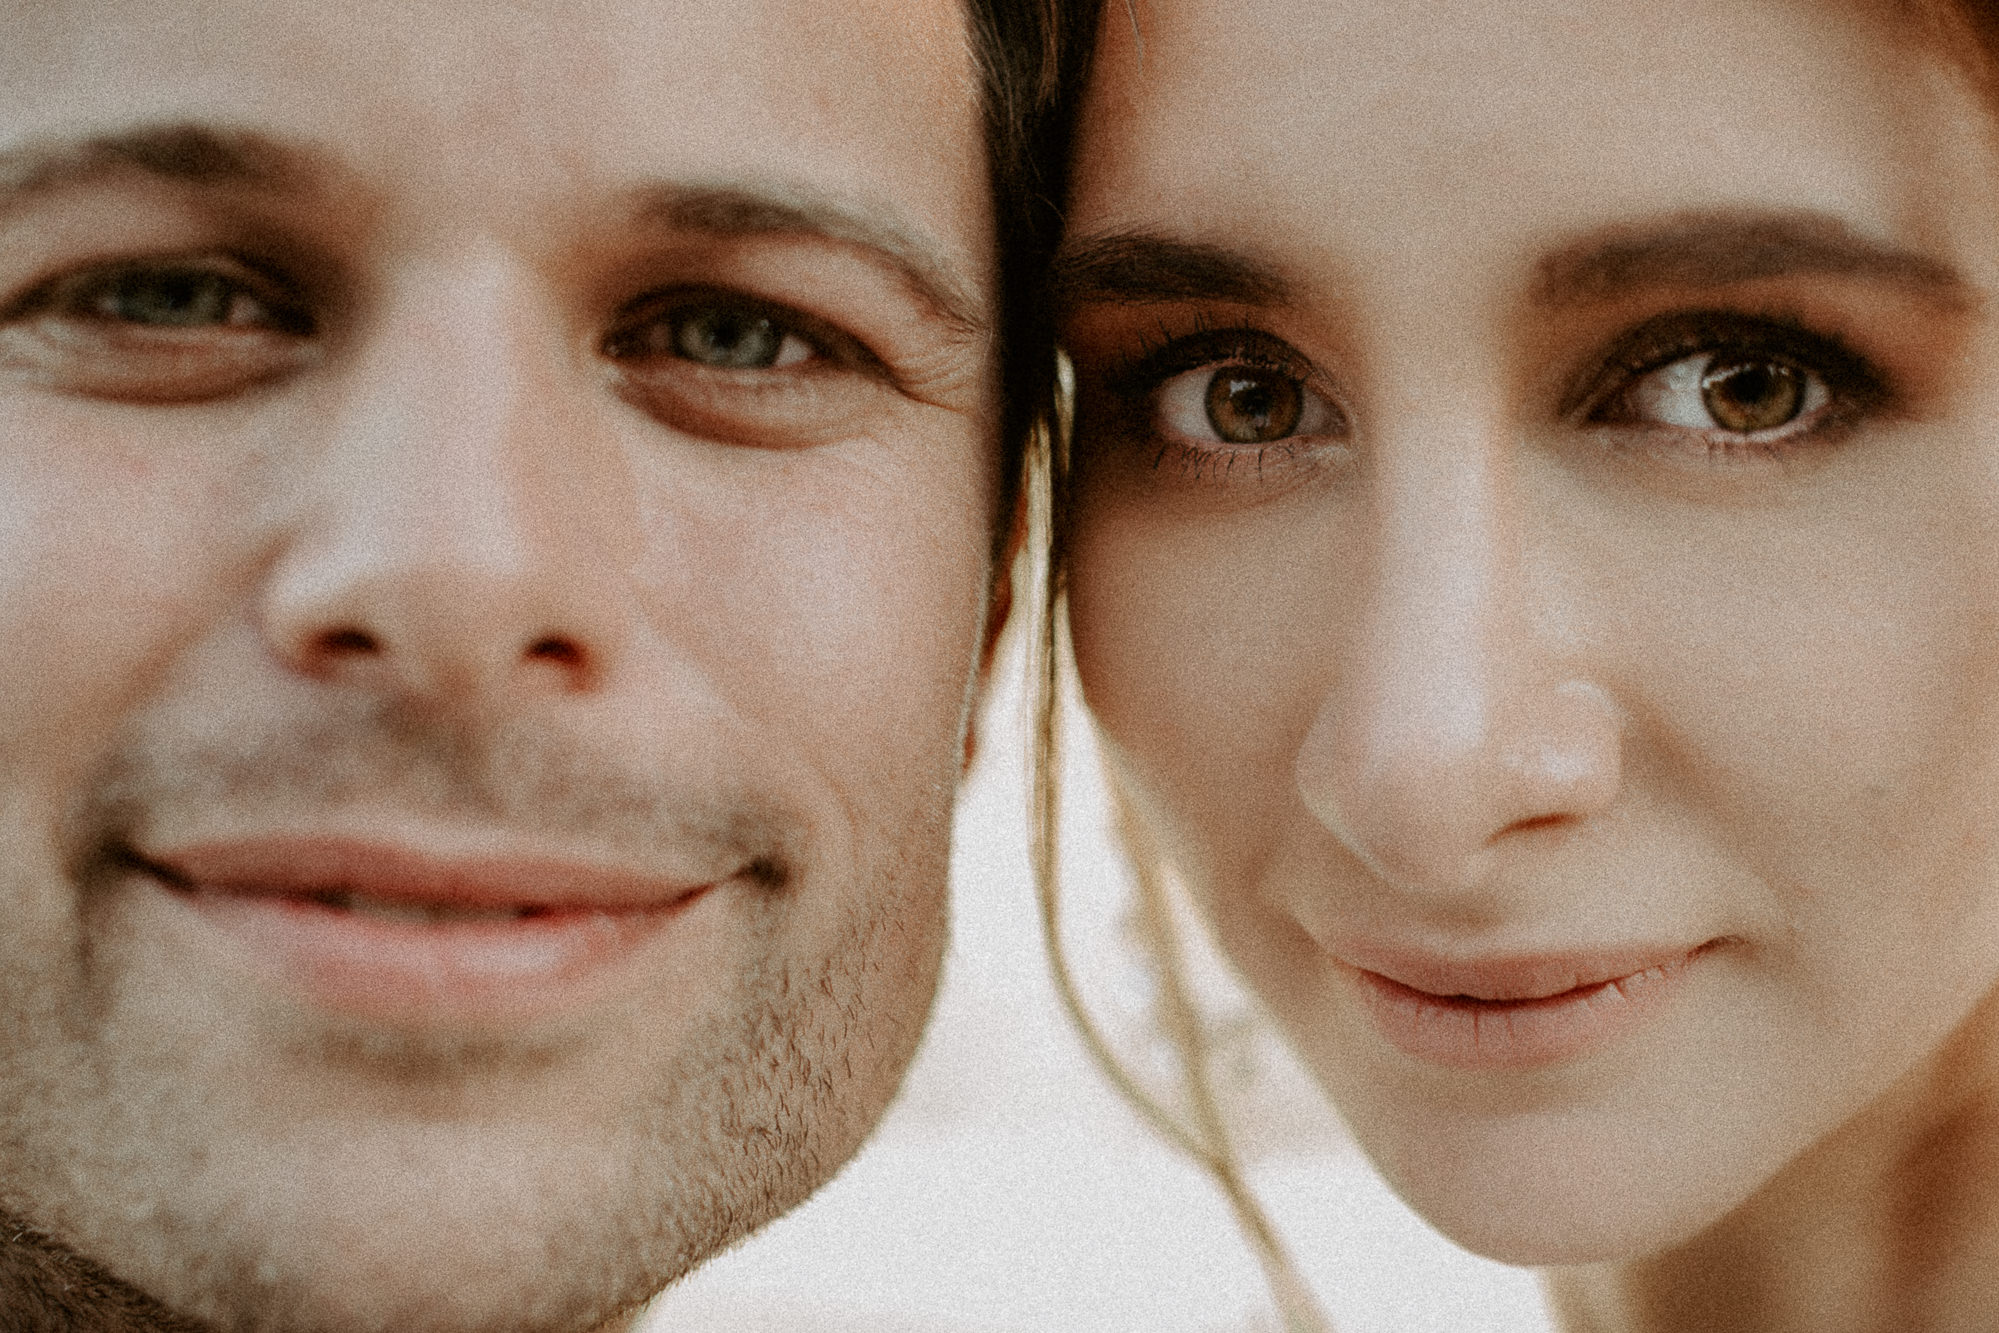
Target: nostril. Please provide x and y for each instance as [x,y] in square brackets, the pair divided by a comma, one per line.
[561,651]
[1538,822]
[347,642]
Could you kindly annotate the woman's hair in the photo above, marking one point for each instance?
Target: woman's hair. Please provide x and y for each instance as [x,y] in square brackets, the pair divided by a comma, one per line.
[1033,57]
[1963,33]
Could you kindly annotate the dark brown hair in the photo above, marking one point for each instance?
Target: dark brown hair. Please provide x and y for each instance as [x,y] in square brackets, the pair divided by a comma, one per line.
[1033,58]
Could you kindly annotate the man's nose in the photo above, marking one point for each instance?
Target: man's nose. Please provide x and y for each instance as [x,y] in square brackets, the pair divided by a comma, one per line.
[1458,716]
[459,536]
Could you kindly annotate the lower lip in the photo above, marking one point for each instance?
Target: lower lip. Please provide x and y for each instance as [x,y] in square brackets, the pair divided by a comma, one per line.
[429,971]
[1462,1033]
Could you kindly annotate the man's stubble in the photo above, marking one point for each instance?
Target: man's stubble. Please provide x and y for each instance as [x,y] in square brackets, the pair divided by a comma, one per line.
[115,1146]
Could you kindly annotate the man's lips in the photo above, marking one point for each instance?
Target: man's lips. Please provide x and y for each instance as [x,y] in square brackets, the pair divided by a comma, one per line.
[389,932]
[340,871]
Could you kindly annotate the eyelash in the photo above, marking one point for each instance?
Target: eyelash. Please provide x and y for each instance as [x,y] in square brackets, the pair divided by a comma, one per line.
[80,293]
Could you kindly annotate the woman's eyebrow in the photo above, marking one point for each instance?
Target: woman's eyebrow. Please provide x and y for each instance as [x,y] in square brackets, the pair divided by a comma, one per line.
[1720,249]
[1139,267]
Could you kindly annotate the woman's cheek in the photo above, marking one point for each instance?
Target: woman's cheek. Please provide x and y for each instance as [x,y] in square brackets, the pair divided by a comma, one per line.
[1204,650]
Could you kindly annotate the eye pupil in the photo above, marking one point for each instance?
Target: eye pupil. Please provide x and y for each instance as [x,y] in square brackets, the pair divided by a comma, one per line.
[1248,406]
[731,339]
[1750,396]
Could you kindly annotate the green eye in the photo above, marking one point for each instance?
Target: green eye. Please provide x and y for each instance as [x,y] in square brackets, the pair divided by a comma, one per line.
[731,339]
[181,297]
[723,335]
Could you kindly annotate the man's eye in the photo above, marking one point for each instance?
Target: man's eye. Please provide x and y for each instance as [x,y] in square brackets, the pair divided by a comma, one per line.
[1742,395]
[726,337]
[1244,405]
[177,298]
[171,297]
[161,331]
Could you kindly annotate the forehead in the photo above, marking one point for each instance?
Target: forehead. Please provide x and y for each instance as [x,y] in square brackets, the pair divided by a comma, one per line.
[536,104]
[1380,129]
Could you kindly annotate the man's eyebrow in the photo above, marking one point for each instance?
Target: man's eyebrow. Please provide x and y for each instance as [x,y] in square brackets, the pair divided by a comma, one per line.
[779,209]
[1721,249]
[191,153]
[206,155]
[1136,267]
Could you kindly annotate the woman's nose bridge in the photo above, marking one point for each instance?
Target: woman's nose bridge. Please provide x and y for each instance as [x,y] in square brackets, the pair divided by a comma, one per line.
[1429,666]
[1445,724]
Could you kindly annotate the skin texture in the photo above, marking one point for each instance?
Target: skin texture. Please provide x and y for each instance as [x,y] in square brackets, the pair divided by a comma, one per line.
[1500,654]
[439,537]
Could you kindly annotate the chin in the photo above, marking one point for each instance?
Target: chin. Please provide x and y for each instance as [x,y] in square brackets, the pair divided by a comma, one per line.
[1548,1231]
[443,1232]
[1542,1190]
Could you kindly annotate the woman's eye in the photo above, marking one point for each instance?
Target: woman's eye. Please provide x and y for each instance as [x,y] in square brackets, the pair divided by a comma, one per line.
[1246,405]
[1743,395]
[726,337]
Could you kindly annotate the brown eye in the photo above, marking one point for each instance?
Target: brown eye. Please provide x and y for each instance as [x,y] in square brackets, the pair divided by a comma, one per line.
[1250,405]
[1749,396]
[1741,395]
[1242,406]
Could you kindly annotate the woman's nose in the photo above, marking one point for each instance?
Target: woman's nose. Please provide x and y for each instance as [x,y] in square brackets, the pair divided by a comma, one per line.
[1457,715]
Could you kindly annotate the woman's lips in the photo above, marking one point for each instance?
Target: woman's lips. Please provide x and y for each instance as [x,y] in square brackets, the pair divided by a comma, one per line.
[1516,1013]
[395,934]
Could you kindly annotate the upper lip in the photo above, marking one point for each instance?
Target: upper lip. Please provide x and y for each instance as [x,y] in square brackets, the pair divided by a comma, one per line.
[1510,977]
[305,866]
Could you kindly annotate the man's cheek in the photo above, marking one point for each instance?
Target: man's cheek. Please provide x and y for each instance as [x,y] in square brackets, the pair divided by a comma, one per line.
[835,608]
[110,558]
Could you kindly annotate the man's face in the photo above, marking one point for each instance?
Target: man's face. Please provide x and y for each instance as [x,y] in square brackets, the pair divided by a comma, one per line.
[494,527]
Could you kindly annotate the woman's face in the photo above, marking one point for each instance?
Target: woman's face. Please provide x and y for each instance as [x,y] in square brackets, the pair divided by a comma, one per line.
[1536,561]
